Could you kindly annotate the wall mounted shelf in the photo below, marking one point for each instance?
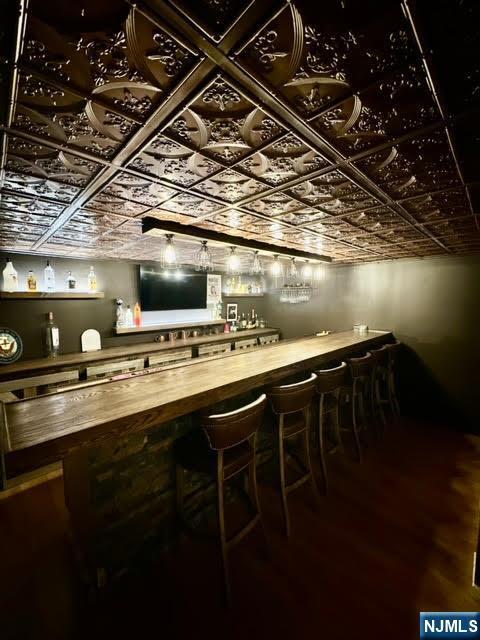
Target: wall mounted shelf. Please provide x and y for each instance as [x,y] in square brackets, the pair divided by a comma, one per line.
[51,295]
[243,295]
[168,325]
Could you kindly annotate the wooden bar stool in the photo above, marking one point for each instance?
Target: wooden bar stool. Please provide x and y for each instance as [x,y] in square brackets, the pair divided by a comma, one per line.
[224,449]
[380,385]
[330,383]
[360,379]
[291,404]
[393,351]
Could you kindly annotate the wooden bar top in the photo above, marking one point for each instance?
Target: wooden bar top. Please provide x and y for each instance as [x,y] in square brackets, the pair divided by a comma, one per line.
[75,418]
[37,365]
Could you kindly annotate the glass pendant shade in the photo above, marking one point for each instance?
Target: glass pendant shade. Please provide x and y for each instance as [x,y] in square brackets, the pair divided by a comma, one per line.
[203,259]
[233,262]
[307,271]
[292,269]
[276,267]
[256,265]
[169,254]
[319,273]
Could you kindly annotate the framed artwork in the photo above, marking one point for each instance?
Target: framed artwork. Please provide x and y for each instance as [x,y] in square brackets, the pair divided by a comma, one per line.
[214,288]
[232,312]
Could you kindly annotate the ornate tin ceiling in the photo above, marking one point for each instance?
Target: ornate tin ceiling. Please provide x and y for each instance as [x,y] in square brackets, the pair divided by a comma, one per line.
[348,129]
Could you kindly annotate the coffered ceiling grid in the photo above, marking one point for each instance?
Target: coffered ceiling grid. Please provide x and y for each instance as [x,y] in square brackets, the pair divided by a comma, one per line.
[309,129]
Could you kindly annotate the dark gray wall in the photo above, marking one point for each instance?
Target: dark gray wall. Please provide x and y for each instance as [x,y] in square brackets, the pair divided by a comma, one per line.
[116,278]
[430,304]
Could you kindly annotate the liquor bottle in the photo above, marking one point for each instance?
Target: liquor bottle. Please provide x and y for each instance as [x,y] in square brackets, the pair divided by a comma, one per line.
[137,315]
[128,317]
[120,314]
[92,280]
[49,277]
[31,281]
[71,281]
[10,277]
[243,322]
[52,337]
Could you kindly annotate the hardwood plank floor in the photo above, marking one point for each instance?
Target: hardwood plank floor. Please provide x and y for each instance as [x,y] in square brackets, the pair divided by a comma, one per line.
[395,536]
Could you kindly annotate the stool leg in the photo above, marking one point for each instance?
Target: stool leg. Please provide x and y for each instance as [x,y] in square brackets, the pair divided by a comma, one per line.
[221,527]
[321,443]
[336,395]
[379,403]
[361,406]
[179,493]
[283,487]
[396,406]
[354,421]
[308,459]
[253,492]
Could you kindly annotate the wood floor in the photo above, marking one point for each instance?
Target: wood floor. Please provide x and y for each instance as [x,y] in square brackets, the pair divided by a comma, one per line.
[396,535]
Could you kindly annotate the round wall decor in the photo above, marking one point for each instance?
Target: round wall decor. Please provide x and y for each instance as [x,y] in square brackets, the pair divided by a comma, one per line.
[11,346]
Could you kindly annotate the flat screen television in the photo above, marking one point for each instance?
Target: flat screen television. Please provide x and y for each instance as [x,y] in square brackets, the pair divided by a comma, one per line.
[162,290]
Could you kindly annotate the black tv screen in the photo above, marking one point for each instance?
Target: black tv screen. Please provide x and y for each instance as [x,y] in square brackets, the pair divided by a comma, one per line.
[162,290]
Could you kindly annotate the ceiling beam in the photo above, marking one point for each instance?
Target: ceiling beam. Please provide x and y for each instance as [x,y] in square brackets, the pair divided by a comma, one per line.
[155,227]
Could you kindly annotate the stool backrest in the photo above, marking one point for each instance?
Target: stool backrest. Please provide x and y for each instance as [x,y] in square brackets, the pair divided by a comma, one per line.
[291,398]
[361,366]
[332,379]
[380,356]
[225,430]
[392,350]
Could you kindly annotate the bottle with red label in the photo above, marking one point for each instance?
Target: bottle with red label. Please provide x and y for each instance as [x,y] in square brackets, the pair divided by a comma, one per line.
[137,315]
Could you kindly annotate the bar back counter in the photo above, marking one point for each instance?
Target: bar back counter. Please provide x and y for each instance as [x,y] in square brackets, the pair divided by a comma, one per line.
[115,437]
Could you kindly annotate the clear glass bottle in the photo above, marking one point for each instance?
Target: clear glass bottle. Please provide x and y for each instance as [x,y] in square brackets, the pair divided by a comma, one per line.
[10,277]
[128,317]
[52,337]
[31,281]
[71,281]
[92,280]
[49,277]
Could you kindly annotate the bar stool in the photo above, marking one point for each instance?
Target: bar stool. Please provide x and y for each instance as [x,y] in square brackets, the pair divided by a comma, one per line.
[360,378]
[393,351]
[329,386]
[224,449]
[291,404]
[380,395]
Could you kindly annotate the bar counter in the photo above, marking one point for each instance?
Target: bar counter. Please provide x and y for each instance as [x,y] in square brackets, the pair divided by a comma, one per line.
[116,440]
[78,417]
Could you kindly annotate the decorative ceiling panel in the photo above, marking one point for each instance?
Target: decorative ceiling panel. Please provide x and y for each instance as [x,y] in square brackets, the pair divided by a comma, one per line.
[419,165]
[316,128]
[317,56]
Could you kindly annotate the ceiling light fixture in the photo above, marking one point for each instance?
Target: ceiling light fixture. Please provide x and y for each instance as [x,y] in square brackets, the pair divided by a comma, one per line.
[276,268]
[256,265]
[203,259]
[307,271]
[157,228]
[292,269]
[319,273]
[169,255]
[233,262]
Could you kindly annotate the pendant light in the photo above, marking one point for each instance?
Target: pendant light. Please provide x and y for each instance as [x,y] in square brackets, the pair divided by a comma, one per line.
[169,254]
[307,272]
[292,269]
[203,259]
[233,262]
[319,273]
[276,267]
[256,265]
